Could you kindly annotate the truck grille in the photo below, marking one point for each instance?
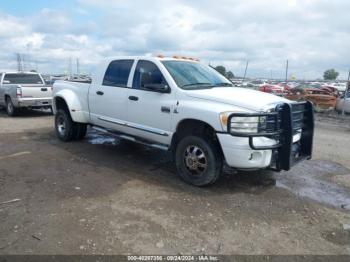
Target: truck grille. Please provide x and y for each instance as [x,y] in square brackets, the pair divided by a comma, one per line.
[281,125]
[298,116]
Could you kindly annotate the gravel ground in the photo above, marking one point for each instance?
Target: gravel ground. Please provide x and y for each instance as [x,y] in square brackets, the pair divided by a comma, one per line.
[104,196]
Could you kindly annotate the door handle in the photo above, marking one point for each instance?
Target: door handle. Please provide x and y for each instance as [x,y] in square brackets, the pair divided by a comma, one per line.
[44,89]
[133,98]
[165,109]
[100,93]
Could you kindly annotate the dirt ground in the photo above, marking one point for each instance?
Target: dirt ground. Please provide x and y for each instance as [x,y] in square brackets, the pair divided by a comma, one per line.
[104,196]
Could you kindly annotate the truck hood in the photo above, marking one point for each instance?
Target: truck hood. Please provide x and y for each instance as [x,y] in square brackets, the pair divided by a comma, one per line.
[240,97]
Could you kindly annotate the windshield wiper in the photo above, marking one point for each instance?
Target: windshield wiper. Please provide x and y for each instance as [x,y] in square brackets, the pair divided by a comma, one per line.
[222,84]
[197,84]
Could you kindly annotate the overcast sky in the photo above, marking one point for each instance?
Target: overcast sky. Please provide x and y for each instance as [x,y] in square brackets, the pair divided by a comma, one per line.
[313,35]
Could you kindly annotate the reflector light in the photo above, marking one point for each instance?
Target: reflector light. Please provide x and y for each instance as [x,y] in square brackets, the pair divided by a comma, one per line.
[19,92]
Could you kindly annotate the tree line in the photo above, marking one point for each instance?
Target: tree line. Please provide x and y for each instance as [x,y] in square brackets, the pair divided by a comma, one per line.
[222,70]
[330,74]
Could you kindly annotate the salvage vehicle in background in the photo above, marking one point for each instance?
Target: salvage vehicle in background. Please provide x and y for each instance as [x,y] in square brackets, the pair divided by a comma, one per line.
[20,90]
[341,87]
[321,99]
[187,108]
[331,90]
[272,89]
[343,103]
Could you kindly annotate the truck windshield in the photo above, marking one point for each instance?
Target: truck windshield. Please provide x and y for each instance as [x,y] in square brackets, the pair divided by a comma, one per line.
[191,75]
[25,79]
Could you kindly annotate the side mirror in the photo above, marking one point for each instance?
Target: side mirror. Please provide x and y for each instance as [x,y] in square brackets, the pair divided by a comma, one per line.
[161,88]
[6,82]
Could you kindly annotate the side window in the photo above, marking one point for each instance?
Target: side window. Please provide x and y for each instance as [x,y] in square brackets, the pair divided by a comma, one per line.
[117,73]
[147,72]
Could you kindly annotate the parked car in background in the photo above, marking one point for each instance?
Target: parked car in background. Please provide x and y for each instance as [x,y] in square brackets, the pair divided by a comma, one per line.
[272,89]
[190,110]
[341,87]
[331,90]
[23,90]
[343,103]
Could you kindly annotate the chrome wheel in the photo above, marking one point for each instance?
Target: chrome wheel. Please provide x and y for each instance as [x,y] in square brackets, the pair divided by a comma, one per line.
[61,125]
[195,160]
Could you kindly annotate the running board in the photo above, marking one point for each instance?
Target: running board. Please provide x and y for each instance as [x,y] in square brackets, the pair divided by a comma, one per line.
[131,138]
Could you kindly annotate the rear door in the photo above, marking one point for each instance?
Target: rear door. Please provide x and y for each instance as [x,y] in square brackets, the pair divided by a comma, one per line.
[150,112]
[108,98]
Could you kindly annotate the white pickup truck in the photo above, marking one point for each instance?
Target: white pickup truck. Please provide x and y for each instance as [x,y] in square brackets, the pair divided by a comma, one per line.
[189,109]
[23,90]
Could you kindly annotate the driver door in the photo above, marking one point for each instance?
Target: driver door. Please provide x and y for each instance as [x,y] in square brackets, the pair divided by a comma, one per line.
[150,112]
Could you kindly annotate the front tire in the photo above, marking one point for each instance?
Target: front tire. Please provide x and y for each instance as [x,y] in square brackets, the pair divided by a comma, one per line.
[198,160]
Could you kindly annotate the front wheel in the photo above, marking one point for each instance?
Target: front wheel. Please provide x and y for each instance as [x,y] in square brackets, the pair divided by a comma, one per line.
[198,160]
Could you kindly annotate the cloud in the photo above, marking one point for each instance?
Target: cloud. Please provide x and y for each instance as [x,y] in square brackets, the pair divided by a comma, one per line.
[312,34]
[11,26]
[51,21]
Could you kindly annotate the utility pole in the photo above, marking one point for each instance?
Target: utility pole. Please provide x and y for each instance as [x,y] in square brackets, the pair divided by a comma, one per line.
[286,77]
[245,71]
[78,67]
[70,68]
[345,94]
[24,63]
[270,75]
[287,72]
[19,63]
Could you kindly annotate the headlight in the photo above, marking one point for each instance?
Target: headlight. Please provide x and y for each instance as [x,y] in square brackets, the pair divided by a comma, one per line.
[243,124]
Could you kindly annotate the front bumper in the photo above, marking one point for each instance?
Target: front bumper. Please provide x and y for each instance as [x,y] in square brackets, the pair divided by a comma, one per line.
[33,102]
[287,141]
[238,154]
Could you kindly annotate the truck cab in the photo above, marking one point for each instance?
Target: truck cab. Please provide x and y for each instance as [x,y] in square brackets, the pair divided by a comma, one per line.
[187,108]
